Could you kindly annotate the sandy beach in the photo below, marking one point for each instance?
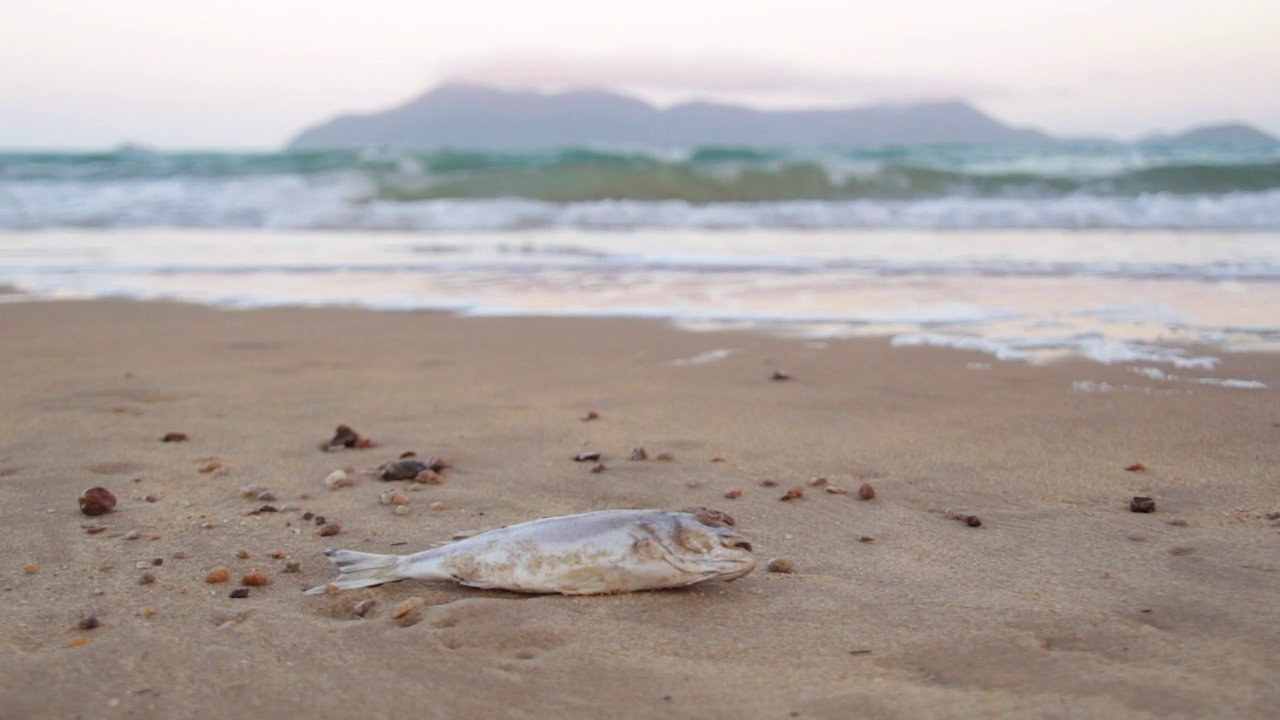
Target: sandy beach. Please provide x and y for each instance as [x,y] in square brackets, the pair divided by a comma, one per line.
[1061,604]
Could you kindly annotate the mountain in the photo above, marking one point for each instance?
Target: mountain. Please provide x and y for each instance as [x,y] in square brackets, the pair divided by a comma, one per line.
[1222,134]
[470,116]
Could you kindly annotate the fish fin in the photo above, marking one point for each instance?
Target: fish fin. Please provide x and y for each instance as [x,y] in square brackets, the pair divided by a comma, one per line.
[360,569]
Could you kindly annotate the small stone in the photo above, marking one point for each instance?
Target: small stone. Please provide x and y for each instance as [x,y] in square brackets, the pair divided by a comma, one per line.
[174,437]
[639,453]
[344,436]
[337,479]
[1136,467]
[330,530]
[31,568]
[248,491]
[401,609]
[818,482]
[292,566]
[837,490]
[151,497]
[239,593]
[318,519]
[218,575]
[211,466]
[598,468]
[265,509]
[1142,504]
[147,611]
[277,554]
[132,535]
[208,525]
[407,469]
[88,621]
[973,521]
[255,579]
[265,496]
[402,510]
[437,505]
[664,457]
[592,456]
[363,607]
[866,492]
[308,515]
[866,539]
[780,565]
[97,501]
[77,641]
[146,578]
[780,375]
[591,415]
[399,499]
[792,494]
[178,555]
[242,554]
[94,530]
[769,483]
[733,493]
[427,477]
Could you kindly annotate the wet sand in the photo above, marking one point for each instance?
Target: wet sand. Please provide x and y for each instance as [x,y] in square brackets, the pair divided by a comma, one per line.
[1063,603]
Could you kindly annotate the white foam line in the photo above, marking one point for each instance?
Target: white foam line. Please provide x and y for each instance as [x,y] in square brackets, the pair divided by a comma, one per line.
[706,357]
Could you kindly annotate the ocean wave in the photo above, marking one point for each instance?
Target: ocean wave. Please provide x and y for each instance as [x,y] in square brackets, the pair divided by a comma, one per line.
[627,188]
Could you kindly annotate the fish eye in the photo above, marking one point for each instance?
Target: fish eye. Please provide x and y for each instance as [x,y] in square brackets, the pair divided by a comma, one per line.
[738,543]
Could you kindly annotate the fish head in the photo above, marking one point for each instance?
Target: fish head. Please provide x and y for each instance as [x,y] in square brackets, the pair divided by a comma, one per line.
[706,546]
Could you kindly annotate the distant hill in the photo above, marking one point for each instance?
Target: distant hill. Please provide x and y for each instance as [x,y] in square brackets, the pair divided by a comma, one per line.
[1222,134]
[469,116]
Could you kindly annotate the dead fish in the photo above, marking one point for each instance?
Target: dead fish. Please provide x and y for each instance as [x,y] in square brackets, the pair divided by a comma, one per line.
[608,551]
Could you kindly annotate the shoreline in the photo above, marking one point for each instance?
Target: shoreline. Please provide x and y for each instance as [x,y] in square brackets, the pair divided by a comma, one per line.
[1061,599]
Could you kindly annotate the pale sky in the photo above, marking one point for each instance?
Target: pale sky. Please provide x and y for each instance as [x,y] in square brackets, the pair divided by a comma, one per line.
[247,74]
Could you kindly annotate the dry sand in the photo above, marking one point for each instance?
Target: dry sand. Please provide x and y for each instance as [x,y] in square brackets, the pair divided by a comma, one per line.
[1062,604]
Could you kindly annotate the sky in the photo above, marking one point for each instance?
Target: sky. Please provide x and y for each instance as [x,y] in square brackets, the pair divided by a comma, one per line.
[241,74]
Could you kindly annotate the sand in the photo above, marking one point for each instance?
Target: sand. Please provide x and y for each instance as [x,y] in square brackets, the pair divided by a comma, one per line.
[1061,604]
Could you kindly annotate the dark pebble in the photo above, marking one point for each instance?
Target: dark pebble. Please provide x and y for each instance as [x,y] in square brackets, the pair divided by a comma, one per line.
[239,593]
[586,457]
[97,501]
[174,437]
[1142,504]
[403,469]
[88,622]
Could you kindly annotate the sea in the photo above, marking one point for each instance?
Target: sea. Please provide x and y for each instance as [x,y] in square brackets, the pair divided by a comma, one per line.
[1166,257]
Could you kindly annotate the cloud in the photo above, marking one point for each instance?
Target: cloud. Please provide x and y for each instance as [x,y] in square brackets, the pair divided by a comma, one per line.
[711,76]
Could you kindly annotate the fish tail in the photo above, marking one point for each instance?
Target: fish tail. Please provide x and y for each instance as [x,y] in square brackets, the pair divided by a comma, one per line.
[361,569]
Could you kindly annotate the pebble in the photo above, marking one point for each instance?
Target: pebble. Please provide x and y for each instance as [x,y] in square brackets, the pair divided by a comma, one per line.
[591,415]
[151,497]
[1136,467]
[639,453]
[248,491]
[592,456]
[337,479]
[239,593]
[265,496]
[780,375]
[211,466]
[330,530]
[345,436]
[836,490]
[97,501]
[174,437]
[401,609]
[88,622]
[292,566]
[866,538]
[437,505]
[406,469]
[1142,504]
[780,565]
[598,468]
[178,555]
[402,510]
[242,554]
[819,482]
[132,535]
[277,554]
[255,579]
[866,492]
[77,641]
[31,568]
[363,607]
[792,494]
[733,493]
[218,575]
[769,483]
[427,477]
[146,578]
[147,611]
